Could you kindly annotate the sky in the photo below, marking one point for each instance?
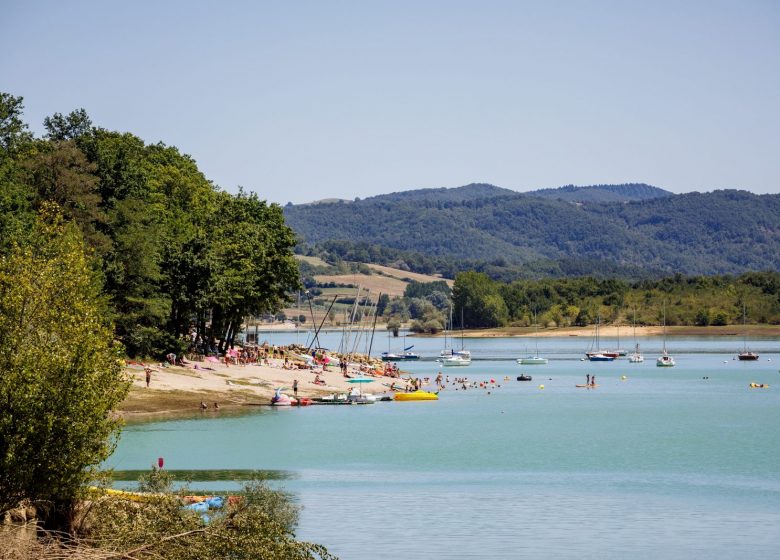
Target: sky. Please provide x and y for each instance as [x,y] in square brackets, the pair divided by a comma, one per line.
[301,101]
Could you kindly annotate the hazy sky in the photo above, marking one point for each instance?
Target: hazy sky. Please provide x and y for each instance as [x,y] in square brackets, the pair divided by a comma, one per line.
[307,100]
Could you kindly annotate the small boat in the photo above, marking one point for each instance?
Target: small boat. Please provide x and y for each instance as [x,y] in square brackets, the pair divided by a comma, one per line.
[636,357]
[391,357]
[456,360]
[759,386]
[536,359]
[600,357]
[531,360]
[524,377]
[665,360]
[416,396]
[746,355]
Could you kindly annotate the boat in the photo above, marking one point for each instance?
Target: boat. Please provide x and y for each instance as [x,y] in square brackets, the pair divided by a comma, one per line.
[532,360]
[416,396]
[391,357]
[636,357]
[536,359]
[665,360]
[399,357]
[524,377]
[456,360]
[746,355]
[599,355]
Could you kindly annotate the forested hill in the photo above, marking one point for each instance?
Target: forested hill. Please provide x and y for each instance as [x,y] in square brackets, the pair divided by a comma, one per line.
[628,192]
[695,233]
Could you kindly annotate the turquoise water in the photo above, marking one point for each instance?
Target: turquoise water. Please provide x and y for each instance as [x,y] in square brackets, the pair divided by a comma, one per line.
[664,464]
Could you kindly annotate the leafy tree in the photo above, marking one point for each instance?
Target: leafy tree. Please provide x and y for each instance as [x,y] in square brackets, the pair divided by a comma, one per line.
[60,373]
[381,305]
[479,299]
[61,127]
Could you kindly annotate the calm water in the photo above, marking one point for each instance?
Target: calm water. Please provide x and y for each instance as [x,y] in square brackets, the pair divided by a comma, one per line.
[664,464]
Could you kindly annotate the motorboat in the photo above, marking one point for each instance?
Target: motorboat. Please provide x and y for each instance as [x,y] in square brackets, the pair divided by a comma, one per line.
[524,377]
[416,396]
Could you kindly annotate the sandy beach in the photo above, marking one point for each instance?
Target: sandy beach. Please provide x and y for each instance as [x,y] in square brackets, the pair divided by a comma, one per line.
[176,389]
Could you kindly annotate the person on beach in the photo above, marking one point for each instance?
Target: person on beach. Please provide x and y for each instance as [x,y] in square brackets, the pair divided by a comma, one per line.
[592,380]
[203,405]
[148,372]
[295,387]
[216,406]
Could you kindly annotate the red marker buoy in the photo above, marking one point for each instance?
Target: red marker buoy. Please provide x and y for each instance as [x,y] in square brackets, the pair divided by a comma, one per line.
[160,462]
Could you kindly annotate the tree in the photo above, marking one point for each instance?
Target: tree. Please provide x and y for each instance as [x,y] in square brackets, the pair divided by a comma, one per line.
[60,371]
[478,298]
[13,130]
[381,305]
[67,127]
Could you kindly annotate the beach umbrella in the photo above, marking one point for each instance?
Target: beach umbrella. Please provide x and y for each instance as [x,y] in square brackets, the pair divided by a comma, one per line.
[360,380]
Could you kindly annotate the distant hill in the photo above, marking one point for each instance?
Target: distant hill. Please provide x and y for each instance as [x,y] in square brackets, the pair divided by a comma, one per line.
[629,192]
[696,233]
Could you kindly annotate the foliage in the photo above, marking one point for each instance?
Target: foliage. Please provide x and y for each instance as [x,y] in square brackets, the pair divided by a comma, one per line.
[60,371]
[512,235]
[175,253]
[260,525]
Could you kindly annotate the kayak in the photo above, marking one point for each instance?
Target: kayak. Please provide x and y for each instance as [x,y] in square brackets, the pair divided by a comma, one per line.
[416,396]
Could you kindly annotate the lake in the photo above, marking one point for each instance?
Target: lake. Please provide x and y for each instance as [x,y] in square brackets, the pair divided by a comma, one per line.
[667,463]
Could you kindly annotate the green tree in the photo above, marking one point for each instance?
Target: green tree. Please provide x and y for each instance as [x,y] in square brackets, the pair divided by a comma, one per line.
[60,371]
[478,297]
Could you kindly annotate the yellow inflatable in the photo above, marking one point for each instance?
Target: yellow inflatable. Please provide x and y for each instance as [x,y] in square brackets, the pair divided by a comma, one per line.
[416,396]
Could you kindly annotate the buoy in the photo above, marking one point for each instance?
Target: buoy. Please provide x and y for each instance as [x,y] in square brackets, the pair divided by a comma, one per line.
[541,386]
[623,377]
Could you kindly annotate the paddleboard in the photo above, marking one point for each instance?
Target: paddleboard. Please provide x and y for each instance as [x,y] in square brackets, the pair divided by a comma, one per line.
[586,386]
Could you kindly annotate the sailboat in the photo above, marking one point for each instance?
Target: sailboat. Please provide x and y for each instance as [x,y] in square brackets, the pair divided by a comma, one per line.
[535,359]
[665,360]
[405,355]
[460,357]
[636,357]
[598,355]
[746,355]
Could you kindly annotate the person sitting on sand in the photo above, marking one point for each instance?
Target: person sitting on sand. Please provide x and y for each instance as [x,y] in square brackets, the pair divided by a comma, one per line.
[203,405]
[216,406]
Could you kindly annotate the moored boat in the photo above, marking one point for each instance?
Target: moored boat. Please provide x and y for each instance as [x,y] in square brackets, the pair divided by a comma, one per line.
[746,355]
[456,360]
[532,360]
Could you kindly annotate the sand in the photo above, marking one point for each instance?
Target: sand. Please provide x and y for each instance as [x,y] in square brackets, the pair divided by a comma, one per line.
[177,389]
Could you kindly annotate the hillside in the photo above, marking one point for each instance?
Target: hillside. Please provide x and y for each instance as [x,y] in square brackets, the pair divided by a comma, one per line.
[629,192]
[695,233]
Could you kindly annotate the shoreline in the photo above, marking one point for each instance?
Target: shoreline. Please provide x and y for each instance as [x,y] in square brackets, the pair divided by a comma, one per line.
[177,390]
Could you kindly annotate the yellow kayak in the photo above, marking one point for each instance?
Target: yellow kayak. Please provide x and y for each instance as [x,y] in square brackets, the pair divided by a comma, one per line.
[416,396]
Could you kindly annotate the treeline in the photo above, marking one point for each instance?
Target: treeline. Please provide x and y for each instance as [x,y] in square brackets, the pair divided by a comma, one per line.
[722,232]
[174,253]
[347,255]
[696,300]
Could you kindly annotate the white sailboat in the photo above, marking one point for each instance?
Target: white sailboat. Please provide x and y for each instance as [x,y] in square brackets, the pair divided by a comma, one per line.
[636,357]
[536,359]
[665,360]
[455,357]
